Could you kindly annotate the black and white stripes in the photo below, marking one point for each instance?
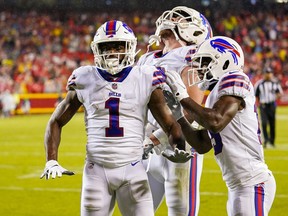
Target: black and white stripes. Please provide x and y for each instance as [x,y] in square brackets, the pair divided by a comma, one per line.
[267,90]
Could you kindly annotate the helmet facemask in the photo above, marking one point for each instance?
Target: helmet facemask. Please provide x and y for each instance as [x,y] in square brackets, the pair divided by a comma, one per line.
[113,61]
[200,74]
[213,58]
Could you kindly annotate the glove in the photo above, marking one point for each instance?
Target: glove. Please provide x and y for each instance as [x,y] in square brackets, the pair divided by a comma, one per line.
[173,104]
[53,168]
[148,148]
[176,84]
[179,156]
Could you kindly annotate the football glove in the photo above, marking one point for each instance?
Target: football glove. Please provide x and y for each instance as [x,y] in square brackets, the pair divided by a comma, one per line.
[54,169]
[173,104]
[179,156]
[176,84]
[148,148]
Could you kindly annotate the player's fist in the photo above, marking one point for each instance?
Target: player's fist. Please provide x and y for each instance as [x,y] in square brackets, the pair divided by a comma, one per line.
[54,169]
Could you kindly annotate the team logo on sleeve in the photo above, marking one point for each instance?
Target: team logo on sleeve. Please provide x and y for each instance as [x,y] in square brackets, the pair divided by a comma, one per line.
[224,46]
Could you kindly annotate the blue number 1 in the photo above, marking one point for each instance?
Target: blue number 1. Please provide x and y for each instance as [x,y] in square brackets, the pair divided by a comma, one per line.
[113,130]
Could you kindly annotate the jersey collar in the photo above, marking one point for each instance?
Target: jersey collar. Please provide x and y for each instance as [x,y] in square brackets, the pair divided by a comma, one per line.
[119,77]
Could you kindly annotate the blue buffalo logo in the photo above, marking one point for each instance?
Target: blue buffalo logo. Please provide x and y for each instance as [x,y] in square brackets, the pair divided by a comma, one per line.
[224,46]
[208,26]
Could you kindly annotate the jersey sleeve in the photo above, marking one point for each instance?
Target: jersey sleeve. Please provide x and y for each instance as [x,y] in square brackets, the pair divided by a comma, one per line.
[144,58]
[188,54]
[279,88]
[77,79]
[159,77]
[235,83]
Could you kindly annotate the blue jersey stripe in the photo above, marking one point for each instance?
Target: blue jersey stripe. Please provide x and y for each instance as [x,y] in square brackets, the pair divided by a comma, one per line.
[234,83]
[159,77]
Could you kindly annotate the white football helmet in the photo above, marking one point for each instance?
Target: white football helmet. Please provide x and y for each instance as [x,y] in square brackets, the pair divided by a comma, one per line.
[213,58]
[114,31]
[186,23]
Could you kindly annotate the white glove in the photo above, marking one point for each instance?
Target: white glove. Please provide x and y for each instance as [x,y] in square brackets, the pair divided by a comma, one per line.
[176,84]
[179,156]
[148,148]
[163,139]
[53,168]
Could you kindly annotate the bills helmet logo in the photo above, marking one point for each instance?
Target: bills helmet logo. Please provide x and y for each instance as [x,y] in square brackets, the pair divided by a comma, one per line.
[224,46]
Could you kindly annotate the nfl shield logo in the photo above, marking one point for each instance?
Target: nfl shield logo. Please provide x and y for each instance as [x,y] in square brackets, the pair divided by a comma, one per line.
[114,86]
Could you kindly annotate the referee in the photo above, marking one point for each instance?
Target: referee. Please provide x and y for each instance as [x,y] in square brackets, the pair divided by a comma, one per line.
[267,91]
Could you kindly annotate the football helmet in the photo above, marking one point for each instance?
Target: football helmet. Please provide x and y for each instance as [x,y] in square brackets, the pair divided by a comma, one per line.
[111,34]
[213,58]
[186,23]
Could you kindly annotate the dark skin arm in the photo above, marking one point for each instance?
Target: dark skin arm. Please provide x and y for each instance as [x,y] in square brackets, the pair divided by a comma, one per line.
[60,117]
[193,91]
[164,117]
[214,120]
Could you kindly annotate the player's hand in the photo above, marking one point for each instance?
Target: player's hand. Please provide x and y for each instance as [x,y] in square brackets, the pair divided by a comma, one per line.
[148,148]
[53,168]
[179,156]
[176,84]
[173,104]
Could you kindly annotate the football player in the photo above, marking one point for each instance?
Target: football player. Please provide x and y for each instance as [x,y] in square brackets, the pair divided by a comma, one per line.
[231,125]
[116,98]
[180,30]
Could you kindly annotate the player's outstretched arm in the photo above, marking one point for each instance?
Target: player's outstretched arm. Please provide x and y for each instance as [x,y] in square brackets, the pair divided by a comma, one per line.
[60,117]
[213,119]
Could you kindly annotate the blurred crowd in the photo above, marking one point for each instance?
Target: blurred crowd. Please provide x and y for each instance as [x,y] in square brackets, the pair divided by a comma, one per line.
[39,50]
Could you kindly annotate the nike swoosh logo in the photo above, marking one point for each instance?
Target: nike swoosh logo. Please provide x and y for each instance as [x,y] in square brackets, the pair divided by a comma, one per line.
[134,163]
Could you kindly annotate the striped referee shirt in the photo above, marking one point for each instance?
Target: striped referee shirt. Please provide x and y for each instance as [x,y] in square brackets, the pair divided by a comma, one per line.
[267,90]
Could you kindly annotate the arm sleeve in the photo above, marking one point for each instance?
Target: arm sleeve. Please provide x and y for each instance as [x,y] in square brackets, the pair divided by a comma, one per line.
[236,84]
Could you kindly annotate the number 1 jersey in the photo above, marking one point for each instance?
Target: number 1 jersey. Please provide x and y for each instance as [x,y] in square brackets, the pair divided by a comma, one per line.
[115,110]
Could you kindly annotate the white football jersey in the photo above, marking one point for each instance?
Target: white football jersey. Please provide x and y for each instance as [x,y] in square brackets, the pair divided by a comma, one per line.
[237,148]
[115,111]
[174,60]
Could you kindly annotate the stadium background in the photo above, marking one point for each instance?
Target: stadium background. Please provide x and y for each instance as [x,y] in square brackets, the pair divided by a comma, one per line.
[43,41]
